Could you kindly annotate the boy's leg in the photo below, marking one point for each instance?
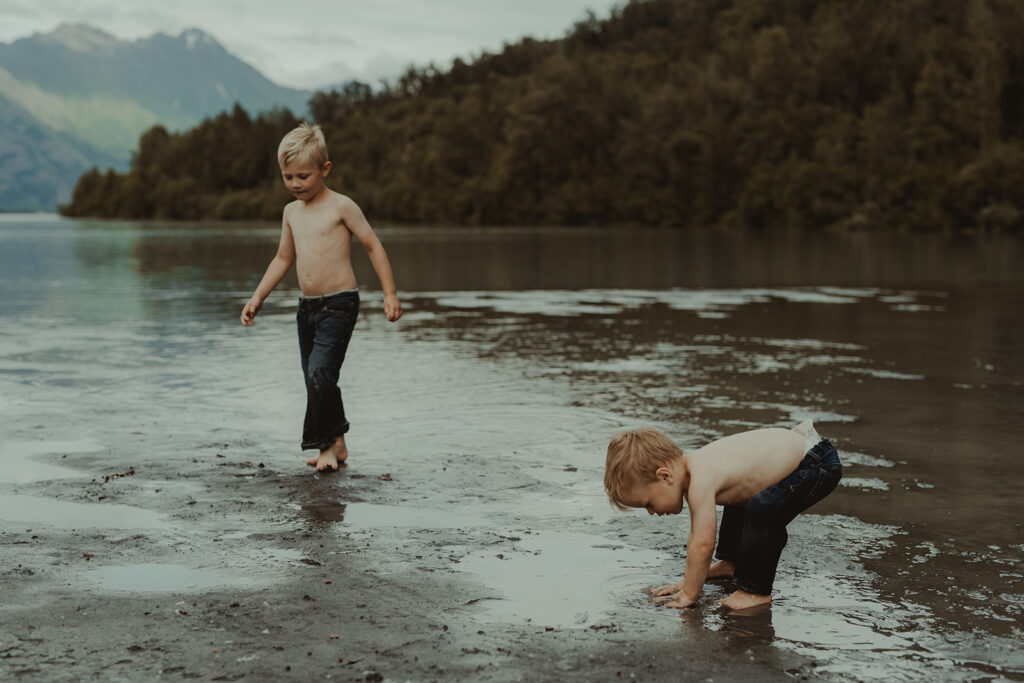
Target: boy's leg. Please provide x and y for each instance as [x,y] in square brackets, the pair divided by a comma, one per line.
[306,326]
[304,322]
[307,330]
[729,534]
[766,516]
[325,423]
[763,538]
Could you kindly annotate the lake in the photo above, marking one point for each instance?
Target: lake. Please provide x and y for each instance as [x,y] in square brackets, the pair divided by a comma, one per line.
[527,348]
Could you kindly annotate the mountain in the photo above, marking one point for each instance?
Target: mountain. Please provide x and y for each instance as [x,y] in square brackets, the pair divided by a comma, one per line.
[97,93]
[39,165]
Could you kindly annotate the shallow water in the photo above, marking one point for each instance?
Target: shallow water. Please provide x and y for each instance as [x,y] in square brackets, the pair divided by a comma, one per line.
[521,352]
[162,578]
[22,462]
[561,579]
[30,510]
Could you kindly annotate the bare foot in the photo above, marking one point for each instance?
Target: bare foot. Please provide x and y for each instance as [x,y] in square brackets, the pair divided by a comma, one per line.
[327,461]
[331,459]
[721,569]
[340,450]
[743,600]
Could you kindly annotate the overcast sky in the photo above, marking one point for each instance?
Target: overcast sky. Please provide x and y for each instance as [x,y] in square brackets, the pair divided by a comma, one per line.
[318,42]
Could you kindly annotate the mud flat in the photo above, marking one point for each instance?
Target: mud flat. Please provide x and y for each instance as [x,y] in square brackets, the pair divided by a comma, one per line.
[156,519]
[222,556]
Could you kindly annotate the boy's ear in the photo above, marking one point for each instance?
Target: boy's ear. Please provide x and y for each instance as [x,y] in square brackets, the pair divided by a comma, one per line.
[325,169]
[663,473]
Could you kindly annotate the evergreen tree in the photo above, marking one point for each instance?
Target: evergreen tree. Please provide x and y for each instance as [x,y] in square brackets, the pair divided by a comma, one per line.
[762,113]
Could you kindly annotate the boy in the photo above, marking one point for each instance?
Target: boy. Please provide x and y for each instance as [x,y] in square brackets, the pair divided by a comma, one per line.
[764,478]
[316,232]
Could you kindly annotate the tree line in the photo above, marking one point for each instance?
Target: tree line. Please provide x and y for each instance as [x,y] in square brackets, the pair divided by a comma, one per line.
[763,113]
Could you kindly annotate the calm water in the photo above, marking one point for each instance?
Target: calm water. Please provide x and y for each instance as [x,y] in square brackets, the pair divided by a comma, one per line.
[906,349]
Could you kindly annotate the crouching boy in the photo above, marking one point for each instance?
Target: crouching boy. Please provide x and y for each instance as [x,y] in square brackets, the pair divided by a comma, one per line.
[764,478]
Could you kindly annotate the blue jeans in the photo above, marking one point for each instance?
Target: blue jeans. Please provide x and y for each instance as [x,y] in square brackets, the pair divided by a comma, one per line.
[753,535]
[325,326]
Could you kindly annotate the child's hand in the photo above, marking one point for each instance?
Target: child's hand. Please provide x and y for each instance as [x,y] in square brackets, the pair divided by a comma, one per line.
[392,307]
[252,307]
[680,601]
[669,589]
[672,595]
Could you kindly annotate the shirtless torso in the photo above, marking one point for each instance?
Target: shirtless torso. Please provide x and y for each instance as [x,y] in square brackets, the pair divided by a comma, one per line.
[322,242]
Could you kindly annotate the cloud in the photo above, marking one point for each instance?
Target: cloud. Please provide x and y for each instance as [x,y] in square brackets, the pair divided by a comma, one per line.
[325,75]
[383,66]
[364,39]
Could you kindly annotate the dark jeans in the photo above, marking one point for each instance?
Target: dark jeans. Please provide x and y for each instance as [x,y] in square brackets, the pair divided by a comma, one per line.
[753,535]
[325,326]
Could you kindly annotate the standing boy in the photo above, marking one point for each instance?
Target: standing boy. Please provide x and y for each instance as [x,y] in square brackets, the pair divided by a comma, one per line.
[316,233]
[764,478]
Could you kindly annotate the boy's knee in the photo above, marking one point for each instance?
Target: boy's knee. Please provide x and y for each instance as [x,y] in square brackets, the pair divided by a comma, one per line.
[322,379]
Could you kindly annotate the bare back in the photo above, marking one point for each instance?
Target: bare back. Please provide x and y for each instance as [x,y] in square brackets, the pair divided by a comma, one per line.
[739,466]
[323,243]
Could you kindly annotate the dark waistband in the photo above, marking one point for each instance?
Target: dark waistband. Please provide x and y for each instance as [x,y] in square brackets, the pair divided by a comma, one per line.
[318,302]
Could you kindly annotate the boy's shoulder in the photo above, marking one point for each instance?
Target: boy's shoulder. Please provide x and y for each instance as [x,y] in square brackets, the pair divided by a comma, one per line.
[342,200]
[334,201]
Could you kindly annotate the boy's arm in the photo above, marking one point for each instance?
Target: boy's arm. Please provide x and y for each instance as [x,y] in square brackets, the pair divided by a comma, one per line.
[276,271]
[699,545]
[360,227]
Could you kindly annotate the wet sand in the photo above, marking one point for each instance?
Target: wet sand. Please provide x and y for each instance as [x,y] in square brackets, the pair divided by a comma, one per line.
[156,518]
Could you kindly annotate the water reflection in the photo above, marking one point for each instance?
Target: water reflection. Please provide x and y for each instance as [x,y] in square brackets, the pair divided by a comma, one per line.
[206,266]
[753,623]
[562,579]
[323,515]
[62,514]
[444,259]
[27,461]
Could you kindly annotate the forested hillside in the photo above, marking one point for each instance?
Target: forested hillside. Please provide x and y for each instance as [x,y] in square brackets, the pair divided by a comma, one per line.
[670,112]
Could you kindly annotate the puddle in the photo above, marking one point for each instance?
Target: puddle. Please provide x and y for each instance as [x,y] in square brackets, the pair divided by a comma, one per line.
[17,468]
[324,514]
[67,515]
[563,579]
[165,577]
[362,516]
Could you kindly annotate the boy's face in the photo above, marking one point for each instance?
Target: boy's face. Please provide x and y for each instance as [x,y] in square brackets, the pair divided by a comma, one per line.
[663,496]
[304,179]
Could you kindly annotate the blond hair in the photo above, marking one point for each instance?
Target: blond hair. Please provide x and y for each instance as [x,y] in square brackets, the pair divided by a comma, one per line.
[634,456]
[304,144]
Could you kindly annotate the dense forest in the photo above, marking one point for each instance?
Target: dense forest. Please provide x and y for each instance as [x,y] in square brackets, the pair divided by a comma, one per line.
[765,113]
